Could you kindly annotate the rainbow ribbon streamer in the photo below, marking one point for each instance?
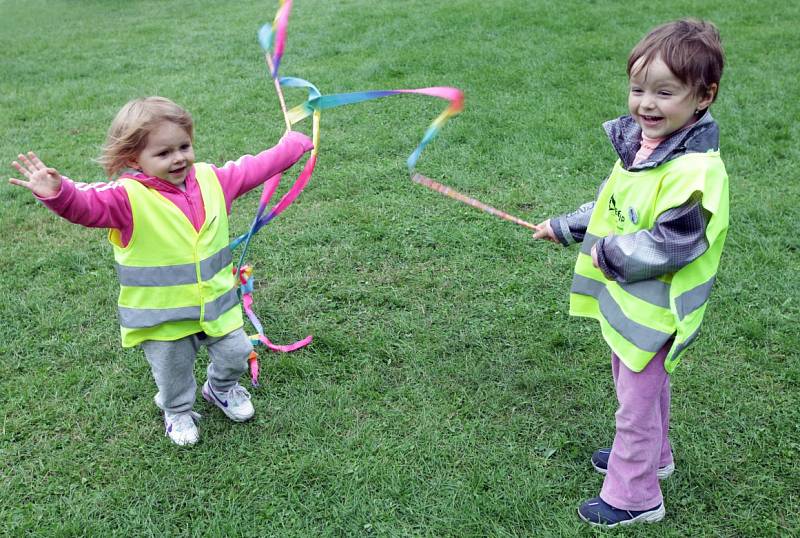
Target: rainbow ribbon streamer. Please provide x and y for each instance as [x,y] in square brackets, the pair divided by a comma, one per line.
[244,271]
[273,38]
[276,35]
[317,103]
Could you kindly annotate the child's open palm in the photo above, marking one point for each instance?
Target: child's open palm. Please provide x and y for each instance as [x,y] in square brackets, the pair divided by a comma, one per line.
[42,180]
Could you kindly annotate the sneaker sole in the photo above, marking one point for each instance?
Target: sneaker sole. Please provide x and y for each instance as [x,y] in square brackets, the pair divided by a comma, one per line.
[653,516]
[189,442]
[662,473]
[207,397]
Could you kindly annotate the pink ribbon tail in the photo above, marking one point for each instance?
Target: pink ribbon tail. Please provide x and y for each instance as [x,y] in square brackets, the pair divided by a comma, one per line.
[287,348]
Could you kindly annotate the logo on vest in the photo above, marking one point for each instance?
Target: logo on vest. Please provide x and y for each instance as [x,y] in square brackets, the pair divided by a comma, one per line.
[612,206]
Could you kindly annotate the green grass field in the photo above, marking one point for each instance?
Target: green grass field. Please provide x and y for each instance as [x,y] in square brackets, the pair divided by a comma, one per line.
[447,392]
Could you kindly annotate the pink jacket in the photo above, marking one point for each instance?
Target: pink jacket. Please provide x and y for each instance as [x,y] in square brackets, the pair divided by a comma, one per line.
[106,205]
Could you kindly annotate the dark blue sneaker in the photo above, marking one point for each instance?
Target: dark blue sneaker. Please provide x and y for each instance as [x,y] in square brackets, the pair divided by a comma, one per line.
[600,464]
[599,513]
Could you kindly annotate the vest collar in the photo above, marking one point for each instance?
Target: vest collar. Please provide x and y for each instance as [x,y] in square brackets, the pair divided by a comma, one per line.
[159,184]
[626,136]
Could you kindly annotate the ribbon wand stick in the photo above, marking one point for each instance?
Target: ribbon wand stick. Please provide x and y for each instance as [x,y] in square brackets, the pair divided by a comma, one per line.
[280,92]
[447,191]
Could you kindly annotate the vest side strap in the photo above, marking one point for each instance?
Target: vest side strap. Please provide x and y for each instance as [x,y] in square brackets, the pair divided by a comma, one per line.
[679,348]
[588,242]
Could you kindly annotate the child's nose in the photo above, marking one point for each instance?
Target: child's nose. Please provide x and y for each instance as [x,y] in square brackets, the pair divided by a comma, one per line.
[648,101]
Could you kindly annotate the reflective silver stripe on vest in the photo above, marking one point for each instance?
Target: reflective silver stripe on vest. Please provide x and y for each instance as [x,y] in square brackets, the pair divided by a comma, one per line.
[173,275]
[651,291]
[689,301]
[215,263]
[637,334]
[169,275]
[142,318]
[588,242]
[220,305]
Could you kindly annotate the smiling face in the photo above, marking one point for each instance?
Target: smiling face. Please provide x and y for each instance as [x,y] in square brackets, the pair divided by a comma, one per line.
[660,102]
[168,154]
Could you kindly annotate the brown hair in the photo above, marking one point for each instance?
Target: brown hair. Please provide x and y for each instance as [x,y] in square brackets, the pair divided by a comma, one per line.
[689,47]
[128,133]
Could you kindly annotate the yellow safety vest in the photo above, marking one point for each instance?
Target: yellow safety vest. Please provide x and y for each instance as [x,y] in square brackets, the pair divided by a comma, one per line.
[174,280]
[637,319]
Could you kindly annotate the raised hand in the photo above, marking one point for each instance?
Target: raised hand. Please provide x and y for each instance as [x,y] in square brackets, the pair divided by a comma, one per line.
[41,180]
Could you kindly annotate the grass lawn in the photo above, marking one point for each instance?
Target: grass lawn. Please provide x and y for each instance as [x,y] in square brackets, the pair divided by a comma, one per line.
[447,391]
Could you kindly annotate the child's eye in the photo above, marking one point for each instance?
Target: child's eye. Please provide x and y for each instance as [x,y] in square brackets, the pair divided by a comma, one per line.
[161,154]
[636,91]
[185,147]
[665,93]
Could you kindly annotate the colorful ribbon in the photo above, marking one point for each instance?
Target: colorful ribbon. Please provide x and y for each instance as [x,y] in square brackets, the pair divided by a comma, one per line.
[266,36]
[246,289]
[244,272]
[273,38]
[317,103]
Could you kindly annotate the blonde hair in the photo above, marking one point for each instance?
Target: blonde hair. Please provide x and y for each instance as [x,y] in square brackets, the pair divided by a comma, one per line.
[128,133]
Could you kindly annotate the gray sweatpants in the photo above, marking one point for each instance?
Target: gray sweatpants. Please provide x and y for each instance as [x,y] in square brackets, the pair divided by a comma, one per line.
[172,364]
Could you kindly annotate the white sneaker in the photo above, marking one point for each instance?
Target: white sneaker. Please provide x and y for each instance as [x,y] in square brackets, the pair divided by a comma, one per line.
[235,403]
[181,428]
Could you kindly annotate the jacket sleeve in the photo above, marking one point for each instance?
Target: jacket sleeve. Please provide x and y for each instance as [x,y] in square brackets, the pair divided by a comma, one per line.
[248,172]
[95,205]
[571,228]
[677,238]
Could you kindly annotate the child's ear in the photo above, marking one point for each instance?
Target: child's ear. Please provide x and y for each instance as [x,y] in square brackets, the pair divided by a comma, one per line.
[133,164]
[708,97]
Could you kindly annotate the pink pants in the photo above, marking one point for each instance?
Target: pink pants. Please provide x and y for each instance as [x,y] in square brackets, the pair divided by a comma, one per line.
[641,444]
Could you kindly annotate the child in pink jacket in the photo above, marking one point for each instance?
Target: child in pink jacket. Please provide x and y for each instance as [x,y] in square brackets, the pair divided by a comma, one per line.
[168,221]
